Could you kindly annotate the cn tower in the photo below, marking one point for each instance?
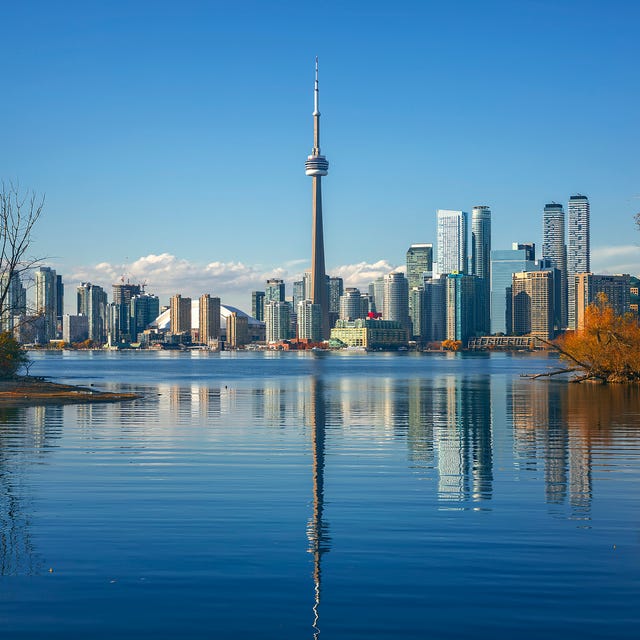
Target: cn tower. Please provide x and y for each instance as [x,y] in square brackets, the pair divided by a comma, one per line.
[316,167]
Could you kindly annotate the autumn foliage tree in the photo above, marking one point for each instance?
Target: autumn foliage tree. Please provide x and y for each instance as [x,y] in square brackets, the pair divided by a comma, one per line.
[606,349]
[12,356]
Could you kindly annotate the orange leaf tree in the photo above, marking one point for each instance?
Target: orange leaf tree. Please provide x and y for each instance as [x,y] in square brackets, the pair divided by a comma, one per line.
[606,349]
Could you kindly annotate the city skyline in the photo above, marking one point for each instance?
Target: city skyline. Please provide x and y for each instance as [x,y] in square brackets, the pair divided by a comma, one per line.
[127,131]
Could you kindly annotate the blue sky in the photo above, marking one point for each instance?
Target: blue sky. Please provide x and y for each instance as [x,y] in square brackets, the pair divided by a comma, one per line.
[170,138]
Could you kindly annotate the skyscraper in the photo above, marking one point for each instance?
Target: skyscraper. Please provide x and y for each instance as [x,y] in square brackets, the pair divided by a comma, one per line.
[396,299]
[179,314]
[209,319]
[92,302]
[578,250]
[122,294]
[277,317]
[47,301]
[419,262]
[481,263]
[143,310]
[452,241]
[504,263]
[532,305]
[351,304]
[274,290]
[15,302]
[316,167]
[257,305]
[555,251]
[460,292]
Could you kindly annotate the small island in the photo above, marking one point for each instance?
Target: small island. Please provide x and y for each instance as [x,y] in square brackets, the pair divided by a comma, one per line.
[29,390]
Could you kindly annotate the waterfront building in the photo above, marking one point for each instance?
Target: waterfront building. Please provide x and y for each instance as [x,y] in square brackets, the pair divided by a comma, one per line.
[419,262]
[15,302]
[237,330]
[310,321]
[376,291]
[481,264]
[209,319]
[274,290]
[351,307]
[578,250]
[416,312]
[180,314]
[46,283]
[122,294]
[555,251]
[461,309]
[278,321]
[433,326]
[370,334]
[452,241]
[532,304]
[298,293]
[257,304]
[317,166]
[589,287]
[396,299]
[91,301]
[75,328]
[504,263]
[336,289]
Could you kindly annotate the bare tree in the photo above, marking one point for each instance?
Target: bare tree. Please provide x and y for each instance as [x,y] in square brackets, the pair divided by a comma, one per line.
[19,213]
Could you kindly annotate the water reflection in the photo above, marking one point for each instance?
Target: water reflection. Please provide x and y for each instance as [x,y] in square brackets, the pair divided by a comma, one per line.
[317,529]
[25,436]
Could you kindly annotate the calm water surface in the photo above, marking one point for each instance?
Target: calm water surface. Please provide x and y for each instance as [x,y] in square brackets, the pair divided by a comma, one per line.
[328,495]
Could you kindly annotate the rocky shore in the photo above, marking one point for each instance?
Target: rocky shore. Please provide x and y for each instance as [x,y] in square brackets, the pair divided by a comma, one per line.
[29,391]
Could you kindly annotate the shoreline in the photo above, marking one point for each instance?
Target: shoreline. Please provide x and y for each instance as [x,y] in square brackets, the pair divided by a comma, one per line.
[24,391]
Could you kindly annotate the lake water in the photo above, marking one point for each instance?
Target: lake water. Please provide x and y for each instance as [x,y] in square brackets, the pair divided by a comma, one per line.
[285,495]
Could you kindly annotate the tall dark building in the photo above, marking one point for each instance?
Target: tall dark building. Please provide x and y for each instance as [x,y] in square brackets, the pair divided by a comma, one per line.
[481,263]
[316,167]
[257,305]
[122,294]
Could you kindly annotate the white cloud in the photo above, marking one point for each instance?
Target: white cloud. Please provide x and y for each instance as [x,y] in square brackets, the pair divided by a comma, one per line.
[361,274]
[165,275]
[616,259]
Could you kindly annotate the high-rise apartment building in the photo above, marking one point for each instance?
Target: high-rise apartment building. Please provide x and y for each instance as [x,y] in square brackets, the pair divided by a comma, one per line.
[396,299]
[376,290]
[351,307]
[122,294]
[590,286]
[298,293]
[179,314]
[274,290]
[481,264]
[336,289]
[277,316]
[15,302]
[555,251]
[257,305]
[434,318]
[46,283]
[504,263]
[310,321]
[92,303]
[209,319]
[461,308]
[237,330]
[578,250]
[452,241]
[532,304]
[419,262]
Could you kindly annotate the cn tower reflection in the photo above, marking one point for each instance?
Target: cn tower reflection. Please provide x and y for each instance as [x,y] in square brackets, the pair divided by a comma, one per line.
[317,529]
